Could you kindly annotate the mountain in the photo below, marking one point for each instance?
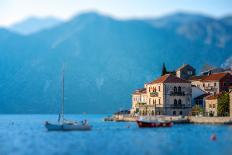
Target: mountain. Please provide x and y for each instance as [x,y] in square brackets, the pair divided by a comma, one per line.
[195,27]
[34,24]
[105,60]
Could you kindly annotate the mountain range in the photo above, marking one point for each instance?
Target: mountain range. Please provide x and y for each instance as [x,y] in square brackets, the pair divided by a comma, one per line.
[34,24]
[105,59]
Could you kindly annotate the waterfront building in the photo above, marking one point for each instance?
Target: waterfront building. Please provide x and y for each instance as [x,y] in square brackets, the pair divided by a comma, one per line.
[230,102]
[167,95]
[185,71]
[139,102]
[213,83]
[198,96]
[211,103]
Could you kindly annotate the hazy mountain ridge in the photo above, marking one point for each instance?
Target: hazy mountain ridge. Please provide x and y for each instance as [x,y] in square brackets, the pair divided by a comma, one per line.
[34,24]
[105,60]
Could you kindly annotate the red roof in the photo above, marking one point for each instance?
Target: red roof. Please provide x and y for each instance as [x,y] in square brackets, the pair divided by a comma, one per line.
[216,77]
[212,97]
[169,78]
[140,91]
[211,77]
[196,78]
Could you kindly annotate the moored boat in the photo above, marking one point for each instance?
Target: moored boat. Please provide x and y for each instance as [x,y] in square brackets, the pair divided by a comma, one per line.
[63,124]
[153,123]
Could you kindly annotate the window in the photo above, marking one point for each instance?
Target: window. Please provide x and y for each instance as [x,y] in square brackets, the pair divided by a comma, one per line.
[179,89]
[210,106]
[189,72]
[213,105]
[203,85]
[215,84]
[175,89]
[153,101]
[175,102]
[179,101]
[174,112]
[159,101]
[159,88]
[181,113]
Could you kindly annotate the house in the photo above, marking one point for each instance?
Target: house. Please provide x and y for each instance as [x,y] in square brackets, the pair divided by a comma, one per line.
[213,83]
[139,102]
[211,103]
[230,103]
[185,71]
[169,95]
[198,95]
[200,100]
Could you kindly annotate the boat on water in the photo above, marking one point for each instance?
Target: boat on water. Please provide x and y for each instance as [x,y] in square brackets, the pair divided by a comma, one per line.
[149,122]
[64,124]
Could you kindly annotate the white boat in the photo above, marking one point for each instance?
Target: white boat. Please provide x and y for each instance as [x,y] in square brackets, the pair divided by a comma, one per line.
[63,124]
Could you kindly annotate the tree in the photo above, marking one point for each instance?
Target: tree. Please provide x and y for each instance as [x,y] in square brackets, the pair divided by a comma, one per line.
[164,70]
[197,110]
[223,105]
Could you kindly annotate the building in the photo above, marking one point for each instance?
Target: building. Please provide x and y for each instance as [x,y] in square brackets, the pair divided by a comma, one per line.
[213,83]
[230,103]
[200,100]
[139,102]
[167,95]
[211,103]
[185,71]
[198,95]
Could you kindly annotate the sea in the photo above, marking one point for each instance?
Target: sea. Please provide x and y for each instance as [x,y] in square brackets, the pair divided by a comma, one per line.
[26,135]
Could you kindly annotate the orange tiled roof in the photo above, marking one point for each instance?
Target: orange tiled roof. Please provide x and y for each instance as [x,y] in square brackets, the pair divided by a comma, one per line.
[215,77]
[212,97]
[140,91]
[211,77]
[196,78]
[169,78]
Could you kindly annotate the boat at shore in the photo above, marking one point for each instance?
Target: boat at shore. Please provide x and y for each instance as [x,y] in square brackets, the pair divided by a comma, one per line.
[146,122]
[64,124]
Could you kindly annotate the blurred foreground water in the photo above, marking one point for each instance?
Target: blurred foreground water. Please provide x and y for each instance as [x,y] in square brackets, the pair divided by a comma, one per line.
[26,135]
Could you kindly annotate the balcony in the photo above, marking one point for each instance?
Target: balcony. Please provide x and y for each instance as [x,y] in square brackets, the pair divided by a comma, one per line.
[172,93]
[154,94]
[140,104]
[210,88]
[178,106]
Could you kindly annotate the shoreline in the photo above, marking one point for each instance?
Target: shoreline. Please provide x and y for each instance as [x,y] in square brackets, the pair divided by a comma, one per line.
[176,119]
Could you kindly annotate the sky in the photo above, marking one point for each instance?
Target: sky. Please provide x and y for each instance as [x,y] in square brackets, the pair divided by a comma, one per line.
[12,11]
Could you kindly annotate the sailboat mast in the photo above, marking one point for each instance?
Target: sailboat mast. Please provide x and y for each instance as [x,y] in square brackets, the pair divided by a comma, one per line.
[62,97]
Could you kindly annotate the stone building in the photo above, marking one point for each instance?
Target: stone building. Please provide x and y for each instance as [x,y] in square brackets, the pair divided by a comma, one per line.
[213,83]
[139,102]
[185,71]
[167,95]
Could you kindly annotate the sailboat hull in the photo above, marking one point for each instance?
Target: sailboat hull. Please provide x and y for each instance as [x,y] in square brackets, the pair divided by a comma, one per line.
[67,127]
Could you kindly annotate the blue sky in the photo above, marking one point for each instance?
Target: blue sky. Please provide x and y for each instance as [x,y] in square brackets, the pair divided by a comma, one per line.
[12,11]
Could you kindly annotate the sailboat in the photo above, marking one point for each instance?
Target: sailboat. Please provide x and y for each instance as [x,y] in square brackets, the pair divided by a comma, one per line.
[63,124]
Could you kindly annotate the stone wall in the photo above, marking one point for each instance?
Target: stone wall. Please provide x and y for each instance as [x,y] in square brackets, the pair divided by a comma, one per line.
[210,120]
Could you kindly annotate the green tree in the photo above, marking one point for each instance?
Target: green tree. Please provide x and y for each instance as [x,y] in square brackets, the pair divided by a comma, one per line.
[223,104]
[164,70]
[196,110]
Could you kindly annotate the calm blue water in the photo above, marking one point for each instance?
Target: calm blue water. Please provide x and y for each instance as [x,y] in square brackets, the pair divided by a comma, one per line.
[26,135]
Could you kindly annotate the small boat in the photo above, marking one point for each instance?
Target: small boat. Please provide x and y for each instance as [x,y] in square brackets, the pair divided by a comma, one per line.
[153,123]
[63,124]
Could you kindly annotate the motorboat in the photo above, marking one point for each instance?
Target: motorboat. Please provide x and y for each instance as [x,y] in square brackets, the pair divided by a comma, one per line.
[153,122]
